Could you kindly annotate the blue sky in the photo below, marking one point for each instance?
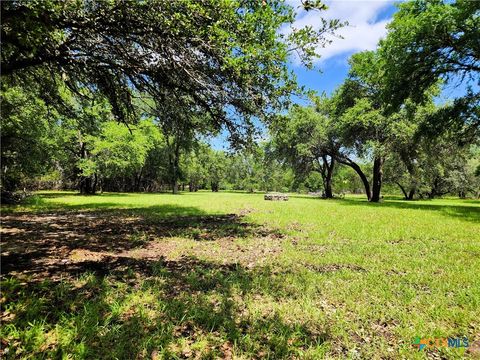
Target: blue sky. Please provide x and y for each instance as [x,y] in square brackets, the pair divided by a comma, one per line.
[367,25]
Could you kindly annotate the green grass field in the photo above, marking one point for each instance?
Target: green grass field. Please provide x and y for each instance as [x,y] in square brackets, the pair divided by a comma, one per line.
[229,275]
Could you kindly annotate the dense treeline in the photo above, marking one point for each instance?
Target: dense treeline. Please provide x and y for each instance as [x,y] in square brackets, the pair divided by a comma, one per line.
[92,152]
[192,68]
[93,105]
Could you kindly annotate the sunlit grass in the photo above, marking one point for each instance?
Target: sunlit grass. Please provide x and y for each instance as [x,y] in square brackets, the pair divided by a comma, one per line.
[353,279]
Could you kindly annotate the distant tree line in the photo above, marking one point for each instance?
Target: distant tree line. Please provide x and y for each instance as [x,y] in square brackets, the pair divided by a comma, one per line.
[193,69]
[309,150]
[122,96]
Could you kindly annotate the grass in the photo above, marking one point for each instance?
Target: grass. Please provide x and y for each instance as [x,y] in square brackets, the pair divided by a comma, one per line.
[229,275]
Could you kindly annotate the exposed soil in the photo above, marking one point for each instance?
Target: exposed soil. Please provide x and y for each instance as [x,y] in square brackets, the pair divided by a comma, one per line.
[54,246]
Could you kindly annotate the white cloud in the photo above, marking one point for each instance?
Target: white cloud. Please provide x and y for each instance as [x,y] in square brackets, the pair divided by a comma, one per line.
[364,29]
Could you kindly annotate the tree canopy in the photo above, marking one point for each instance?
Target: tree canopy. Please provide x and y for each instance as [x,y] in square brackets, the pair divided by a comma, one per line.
[226,59]
[432,41]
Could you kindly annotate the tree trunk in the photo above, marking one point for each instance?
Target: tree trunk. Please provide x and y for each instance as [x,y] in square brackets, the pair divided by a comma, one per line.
[405,195]
[360,173]
[327,174]
[377,179]
[328,189]
[86,185]
[175,171]
[411,193]
[215,186]
[175,186]
[94,185]
[138,180]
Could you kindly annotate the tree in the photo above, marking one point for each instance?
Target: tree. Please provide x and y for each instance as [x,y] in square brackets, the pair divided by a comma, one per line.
[346,179]
[121,153]
[196,167]
[216,169]
[227,58]
[364,124]
[245,169]
[430,41]
[75,131]
[276,176]
[304,141]
[366,130]
[408,146]
[444,167]
[433,167]
[26,139]
[204,167]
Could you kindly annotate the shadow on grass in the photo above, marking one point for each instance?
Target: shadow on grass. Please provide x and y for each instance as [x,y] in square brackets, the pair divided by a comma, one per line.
[116,298]
[37,244]
[61,194]
[38,204]
[126,308]
[42,202]
[467,213]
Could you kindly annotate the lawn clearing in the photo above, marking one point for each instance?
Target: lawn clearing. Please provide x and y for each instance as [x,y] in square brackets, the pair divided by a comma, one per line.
[229,275]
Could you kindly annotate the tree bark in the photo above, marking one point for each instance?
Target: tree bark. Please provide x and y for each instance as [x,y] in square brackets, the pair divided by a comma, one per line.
[87,185]
[174,164]
[405,195]
[358,170]
[175,186]
[377,179]
[411,193]
[328,177]
[138,180]
[327,174]
[434,189]
[94,185]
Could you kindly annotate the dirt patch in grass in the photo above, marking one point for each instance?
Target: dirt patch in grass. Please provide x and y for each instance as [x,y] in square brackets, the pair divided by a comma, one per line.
[52,246]
[327,268]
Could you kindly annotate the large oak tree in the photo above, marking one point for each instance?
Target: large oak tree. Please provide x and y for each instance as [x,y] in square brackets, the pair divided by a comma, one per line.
[228,58]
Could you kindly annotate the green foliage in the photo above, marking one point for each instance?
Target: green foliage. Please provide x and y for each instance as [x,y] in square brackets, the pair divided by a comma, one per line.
[205,167]
[305,140]
[314,181]
[257,169]
[25,137]
[120,151]
[195,164]
[182,72]
[429,40]
[227,60]
[302,138]
[432,41]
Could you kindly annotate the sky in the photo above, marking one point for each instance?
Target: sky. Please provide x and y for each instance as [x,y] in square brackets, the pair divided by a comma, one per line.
[367,25]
